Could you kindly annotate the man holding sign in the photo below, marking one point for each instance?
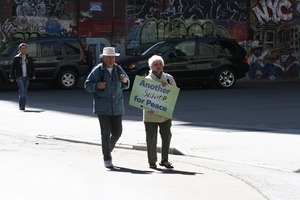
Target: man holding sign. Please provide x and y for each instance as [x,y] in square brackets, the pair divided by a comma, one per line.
[152,120]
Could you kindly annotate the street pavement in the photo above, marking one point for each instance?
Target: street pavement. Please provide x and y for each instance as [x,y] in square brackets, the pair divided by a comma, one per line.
[55,155]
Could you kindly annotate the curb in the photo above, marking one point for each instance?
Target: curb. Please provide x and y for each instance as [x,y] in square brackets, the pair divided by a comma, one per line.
[172,150]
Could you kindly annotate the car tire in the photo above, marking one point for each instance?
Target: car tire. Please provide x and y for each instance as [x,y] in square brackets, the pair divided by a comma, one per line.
[225,78]
[67,79]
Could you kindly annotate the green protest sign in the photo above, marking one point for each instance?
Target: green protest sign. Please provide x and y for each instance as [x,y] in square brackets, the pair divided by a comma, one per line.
[151,95]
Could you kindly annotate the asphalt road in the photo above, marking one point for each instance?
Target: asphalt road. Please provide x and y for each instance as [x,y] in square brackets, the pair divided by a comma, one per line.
[257,106]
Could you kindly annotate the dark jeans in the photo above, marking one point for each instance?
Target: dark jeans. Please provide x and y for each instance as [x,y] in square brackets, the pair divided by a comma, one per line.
[266,70]
[111,130]
[151,139]
[23,87]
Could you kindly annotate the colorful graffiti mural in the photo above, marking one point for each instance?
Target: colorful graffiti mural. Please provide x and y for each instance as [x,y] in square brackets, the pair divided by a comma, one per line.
[190,9]
[155,20]
[35,18]
[275,24]
[272,11]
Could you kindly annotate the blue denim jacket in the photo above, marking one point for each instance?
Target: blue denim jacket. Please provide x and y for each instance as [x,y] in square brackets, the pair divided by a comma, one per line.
[108,101]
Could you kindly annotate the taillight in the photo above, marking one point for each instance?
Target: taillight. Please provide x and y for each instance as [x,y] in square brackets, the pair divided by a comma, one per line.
[84,59]
[245,59]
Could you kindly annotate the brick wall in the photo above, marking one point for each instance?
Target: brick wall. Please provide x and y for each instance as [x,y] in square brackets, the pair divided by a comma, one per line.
[108,23]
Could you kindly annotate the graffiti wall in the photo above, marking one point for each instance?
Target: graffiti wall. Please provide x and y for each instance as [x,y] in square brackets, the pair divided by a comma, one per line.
[152,20]
[267,29]
[32,18]
[148,20]
[274,40]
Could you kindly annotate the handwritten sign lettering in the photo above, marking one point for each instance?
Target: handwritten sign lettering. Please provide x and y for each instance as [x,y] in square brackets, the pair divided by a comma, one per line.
[151,95]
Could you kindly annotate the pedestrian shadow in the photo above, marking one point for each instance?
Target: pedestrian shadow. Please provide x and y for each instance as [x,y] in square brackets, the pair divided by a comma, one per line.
[172,171]
[162,171]
[128,170]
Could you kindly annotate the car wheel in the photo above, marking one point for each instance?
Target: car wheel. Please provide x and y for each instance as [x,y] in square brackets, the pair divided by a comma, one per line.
[225,78]
[67,79]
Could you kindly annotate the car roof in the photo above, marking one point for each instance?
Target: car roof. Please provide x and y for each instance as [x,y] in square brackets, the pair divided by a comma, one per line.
[42,38]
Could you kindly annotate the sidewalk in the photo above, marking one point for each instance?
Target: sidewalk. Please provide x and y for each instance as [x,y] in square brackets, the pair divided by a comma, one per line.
[47,170]
[36,168]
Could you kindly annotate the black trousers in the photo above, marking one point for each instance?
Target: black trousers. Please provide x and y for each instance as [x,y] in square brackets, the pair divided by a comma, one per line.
[111,130]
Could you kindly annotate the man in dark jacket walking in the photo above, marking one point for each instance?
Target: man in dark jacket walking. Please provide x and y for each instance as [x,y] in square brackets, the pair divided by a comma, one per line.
[107,82]
[21,71]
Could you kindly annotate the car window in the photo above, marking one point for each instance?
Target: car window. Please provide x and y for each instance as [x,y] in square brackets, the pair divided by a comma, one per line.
[160,48]
[186,48]
[32,49]
[50,49]
[71,47]
[181,52]
[209,48]
[139,50]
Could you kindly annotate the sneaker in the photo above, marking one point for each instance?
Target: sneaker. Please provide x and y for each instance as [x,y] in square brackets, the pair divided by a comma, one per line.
[272,77]
[108,164]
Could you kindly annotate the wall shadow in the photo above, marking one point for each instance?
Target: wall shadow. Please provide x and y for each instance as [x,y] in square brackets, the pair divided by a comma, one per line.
[250,106]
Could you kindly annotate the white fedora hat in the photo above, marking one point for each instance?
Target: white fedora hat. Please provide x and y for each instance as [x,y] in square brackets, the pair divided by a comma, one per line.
[109,51]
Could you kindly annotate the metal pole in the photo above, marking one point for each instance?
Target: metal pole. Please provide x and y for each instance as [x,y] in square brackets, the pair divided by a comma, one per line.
[113,19]
[77,15]
[114,8]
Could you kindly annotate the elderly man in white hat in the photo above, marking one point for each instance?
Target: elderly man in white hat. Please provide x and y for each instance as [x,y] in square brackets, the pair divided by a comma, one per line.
[107,82]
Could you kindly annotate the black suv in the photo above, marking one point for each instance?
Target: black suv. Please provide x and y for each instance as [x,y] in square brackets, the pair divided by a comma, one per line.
[210,60]
[59,61]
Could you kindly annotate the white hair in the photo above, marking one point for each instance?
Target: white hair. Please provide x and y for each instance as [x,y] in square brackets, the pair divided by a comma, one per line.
[155,58]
